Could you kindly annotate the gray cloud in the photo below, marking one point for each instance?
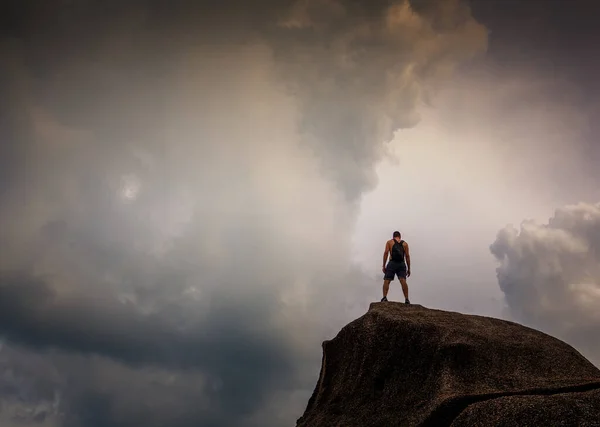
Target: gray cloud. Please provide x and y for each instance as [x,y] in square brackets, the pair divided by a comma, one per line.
[361,72]
[33,314]
[358,71]
[243,355]
[30,390]
[550,274]
[162,215]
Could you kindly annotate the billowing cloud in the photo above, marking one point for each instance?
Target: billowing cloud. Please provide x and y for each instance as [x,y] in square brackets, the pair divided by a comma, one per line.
[361,72]
[177,193]
[550,274]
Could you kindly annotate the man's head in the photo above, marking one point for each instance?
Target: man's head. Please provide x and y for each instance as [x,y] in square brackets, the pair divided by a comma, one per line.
[397,236]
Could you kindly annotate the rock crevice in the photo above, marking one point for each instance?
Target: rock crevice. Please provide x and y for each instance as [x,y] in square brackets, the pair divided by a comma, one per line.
[447,412]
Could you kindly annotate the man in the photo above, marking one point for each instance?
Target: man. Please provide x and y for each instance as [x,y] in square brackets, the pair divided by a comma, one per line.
[397,266]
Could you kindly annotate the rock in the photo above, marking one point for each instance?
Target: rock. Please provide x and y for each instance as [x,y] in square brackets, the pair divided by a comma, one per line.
[406,365]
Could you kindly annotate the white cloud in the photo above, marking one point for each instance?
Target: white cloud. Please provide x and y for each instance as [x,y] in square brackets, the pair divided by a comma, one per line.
[550,274]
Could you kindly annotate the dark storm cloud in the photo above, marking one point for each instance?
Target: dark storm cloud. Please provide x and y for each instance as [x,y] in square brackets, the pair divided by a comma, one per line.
[232,351]
[138,223]
[53,389]
[359,70]
[550,275]
[29,388]
[33,314]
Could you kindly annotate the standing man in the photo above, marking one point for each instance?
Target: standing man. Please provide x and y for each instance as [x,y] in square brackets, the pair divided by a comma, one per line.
[397,266]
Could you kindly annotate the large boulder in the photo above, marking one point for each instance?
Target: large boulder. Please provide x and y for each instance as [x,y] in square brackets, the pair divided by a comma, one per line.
[406,365]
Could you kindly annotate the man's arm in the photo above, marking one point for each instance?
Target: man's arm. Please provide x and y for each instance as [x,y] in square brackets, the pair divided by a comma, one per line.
[385,253]
[407,254]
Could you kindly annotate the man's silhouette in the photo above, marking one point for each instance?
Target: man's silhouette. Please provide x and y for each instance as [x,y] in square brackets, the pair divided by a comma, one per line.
[398,249]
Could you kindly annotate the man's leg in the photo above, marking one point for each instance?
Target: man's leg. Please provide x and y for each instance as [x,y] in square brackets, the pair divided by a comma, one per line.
[387,278]
[404,288]
[386,287]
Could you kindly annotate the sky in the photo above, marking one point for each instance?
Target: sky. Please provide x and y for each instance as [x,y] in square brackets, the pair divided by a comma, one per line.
[194,197]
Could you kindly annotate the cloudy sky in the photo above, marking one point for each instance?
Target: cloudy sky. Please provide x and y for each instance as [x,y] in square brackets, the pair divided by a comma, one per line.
[192,198]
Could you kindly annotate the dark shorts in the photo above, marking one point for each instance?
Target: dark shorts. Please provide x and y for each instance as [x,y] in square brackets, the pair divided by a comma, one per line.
[395,269]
